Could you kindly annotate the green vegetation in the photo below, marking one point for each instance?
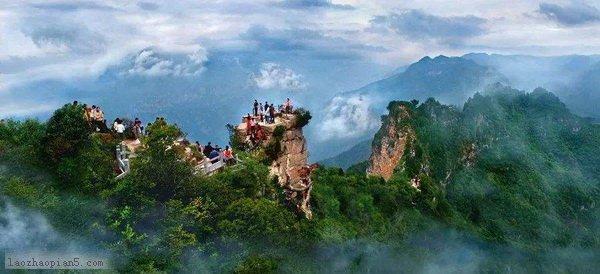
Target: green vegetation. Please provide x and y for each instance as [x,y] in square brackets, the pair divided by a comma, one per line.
[302,117]
[508,184]
[273,149]
[516,168]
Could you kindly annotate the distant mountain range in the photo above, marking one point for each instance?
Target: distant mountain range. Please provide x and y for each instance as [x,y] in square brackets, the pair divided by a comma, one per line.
[202,98]
[574,79]
[357,153]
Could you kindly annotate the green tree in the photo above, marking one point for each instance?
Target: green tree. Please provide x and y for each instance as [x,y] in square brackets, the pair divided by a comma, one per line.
[67,132]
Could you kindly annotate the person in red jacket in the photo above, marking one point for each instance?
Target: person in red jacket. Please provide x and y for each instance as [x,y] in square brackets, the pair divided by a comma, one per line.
[228,155]
[248,124]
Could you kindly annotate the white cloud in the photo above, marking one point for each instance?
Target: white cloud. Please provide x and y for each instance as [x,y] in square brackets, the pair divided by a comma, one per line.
[23,229]
[171,26]
[274,76]
[150,63]
[348,117]
[59,40]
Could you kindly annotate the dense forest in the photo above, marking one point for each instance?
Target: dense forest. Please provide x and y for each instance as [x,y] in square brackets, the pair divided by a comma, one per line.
[508,183]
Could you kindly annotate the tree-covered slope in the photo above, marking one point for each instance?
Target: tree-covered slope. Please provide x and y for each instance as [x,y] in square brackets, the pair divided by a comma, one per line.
[508,184]
[352,117]
[518,167]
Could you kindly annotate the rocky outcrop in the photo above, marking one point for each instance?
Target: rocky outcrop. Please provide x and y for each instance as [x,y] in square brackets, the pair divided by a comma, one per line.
[293,146]
[294,157]
[290,166]
[390,143]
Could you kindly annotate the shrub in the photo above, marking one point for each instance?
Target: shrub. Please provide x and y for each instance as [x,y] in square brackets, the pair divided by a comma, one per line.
[273,149]
[235,140]
[302,117]
[278,131]
[255,264]
[67,131]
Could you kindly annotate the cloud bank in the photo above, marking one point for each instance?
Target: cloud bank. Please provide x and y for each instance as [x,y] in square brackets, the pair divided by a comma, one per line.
[576,13]
[303,4]
[274,76]
[348,117]
[417,24]
[150,63]
[65,38]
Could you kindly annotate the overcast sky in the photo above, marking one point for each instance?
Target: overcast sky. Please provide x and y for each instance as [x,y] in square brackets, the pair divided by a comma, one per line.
[69,39]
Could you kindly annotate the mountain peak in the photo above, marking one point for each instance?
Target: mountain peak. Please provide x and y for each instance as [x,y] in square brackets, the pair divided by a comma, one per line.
[425,59]
[442,57]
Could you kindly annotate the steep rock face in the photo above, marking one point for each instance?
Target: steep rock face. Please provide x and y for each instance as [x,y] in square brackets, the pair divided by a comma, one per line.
[390,143]
[294,157]
[290,166]
[293,146]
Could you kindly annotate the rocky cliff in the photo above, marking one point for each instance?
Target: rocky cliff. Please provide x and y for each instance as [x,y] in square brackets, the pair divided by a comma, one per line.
[294,156]
[290,162]
[390,142]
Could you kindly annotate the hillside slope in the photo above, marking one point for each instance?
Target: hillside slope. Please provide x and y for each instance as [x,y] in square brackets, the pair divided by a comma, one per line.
[507,184]
[354,116]
[519,166]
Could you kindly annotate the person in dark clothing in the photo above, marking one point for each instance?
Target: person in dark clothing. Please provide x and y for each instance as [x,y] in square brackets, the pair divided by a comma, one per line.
[104,127]
[255,108]
[272,113]
[215,154]
[208,149]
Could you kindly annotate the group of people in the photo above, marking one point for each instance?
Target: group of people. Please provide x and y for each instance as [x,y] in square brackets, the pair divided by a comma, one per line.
[96,121]
[254,132]
[137,129]
[264,112]
[215,154]
[94,117]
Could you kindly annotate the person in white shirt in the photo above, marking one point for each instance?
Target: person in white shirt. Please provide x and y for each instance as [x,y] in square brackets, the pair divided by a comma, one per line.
[120,130]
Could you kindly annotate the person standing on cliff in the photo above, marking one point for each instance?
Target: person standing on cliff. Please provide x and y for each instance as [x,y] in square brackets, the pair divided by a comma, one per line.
[288,106]
[99,119]
[253,125]
[272,113]
[248,124]
[120,130]
[255,108]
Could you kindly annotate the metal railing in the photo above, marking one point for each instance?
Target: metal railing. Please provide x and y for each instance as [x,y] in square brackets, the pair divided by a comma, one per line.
[122,160]
[208,167]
